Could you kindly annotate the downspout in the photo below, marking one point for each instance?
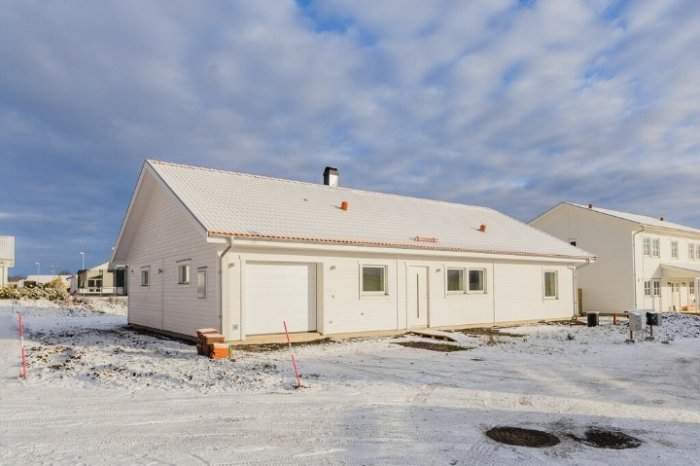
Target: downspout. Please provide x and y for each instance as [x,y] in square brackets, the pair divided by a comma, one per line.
[221,284]
[634,267]
[575,290]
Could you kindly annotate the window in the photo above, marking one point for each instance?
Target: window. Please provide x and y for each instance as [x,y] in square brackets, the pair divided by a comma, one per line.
[476,280]
[145,277]
[646,244]
[647,288]
[691,287]
[657,288]
[455,280]
[550,285]
[183,274]
[373,279]
[691,252]
[674,249]
[202,283]
[655,247]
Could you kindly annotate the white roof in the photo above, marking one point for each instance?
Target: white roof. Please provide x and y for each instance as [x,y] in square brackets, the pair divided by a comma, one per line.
[640,219]
[250,206]
[7,248]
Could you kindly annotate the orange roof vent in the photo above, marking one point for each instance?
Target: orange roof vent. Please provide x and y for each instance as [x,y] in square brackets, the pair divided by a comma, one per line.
[344,206]
[482,228]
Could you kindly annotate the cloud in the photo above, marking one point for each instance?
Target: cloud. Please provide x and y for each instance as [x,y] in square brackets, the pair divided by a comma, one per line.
[514,105]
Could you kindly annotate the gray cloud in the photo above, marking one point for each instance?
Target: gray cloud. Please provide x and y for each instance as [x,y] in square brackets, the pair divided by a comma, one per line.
[511,105]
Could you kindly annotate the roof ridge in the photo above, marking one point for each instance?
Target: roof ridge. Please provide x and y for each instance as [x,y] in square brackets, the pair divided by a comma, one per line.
[316,185]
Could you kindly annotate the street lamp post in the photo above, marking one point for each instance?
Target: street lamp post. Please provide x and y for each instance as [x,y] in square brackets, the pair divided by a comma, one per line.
[82,256]
[38,267]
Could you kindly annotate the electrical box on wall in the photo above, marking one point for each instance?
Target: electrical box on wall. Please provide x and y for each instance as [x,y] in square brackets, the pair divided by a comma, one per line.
[235,326]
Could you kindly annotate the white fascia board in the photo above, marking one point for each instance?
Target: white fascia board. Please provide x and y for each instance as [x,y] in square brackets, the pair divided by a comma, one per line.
[303,246]
[132,201]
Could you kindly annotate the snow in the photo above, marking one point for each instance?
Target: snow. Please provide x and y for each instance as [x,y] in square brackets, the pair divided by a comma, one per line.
[100,393]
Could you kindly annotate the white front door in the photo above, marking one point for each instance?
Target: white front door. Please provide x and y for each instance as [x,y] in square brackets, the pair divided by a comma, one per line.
[277,292]
[676,296]
[417,296]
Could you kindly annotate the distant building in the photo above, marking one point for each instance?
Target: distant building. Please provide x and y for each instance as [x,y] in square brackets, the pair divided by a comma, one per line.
[643,262]
[44,279]
[7,257]
[99,280]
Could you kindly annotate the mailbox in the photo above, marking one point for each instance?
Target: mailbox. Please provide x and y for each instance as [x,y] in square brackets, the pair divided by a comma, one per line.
[653,318]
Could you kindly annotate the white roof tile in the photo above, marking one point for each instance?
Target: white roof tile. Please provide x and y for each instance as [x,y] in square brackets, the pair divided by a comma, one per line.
[242,205]
[641,219]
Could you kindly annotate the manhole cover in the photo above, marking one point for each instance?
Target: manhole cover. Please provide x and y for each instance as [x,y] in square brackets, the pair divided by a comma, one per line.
[602,438]
[522,437]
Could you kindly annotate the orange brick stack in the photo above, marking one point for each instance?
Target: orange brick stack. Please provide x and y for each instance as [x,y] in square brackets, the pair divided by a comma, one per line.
[206,337]
[218,350]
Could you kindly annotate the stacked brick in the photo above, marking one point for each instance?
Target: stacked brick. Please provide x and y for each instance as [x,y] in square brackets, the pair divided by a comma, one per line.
[210,343]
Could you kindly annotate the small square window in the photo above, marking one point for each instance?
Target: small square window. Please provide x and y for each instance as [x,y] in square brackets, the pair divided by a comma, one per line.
[183,274]
[477,280]
[145,276]
[373,279]
[455,280]
[550,285]
[202,283]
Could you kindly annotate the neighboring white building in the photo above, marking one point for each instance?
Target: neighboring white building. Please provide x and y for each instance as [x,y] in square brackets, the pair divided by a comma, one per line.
[7,257]
[642,262]
[243,253]
[44,279]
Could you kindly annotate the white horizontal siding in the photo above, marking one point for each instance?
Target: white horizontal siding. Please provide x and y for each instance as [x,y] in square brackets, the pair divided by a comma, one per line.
[514,291]
[165,236]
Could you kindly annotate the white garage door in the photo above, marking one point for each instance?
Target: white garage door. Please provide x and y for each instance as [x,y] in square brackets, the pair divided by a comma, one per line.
[277,292]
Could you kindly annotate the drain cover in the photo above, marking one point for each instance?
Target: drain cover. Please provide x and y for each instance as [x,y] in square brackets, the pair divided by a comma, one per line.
[603,438]
[522,437]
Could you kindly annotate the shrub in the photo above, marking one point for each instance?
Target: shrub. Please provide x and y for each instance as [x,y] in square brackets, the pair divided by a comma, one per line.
[39,292]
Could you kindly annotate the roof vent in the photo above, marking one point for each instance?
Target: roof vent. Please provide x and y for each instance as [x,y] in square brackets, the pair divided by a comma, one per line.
[344,206]
[482,228]
[590,206]
[425,239]
[662,219]
[331,176]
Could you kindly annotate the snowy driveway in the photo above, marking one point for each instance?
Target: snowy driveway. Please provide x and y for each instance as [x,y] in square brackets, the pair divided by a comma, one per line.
[371,402]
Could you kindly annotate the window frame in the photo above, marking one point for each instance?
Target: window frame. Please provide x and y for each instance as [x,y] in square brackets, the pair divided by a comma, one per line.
[183,279]
[655,247]
[384,282]
[462,289]
[646,246]
[691,287]
[656,287]
[692,252]
[647,288]
[145,272]
[555,273]
[202,288]
[674,249]
[483,280]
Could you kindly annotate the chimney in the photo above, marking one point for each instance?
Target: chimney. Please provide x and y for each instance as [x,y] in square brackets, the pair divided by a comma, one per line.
[590,206]
[662,219]
[482,228]
[331,176]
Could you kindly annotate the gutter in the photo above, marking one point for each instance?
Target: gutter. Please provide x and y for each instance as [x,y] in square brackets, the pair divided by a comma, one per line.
[221,284]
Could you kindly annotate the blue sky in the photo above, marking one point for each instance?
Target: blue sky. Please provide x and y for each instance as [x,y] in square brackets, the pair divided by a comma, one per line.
[515,105]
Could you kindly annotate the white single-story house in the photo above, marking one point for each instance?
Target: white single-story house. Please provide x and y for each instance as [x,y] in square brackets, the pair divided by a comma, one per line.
[642,262]
[44,279]
[245,253]
[7,257]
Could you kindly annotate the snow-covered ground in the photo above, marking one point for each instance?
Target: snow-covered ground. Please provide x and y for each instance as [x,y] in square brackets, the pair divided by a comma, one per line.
[100,393]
